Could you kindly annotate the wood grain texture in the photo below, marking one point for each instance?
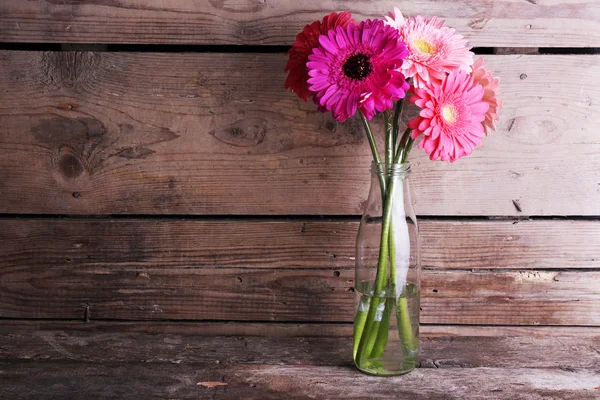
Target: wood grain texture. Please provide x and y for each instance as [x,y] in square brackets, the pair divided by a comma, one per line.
[274,329]
[539,23]
[54,364]
[144,133]
[40,244]
[246,294]
[54,380]
[289,270]
[510,244]
[435,352]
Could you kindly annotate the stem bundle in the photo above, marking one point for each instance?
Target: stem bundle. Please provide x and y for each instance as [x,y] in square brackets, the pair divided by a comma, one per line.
[371,325]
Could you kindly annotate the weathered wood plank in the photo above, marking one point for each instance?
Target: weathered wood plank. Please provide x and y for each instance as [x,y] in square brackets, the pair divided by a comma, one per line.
[438,352]
[510,244]
[305,330]
[288,270]
[175,243]
[40,244]
[246,294]
[143,133]
[511,297]
[541,23]
[52,380]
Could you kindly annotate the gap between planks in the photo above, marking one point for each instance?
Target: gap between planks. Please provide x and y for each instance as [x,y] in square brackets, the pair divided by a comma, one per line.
[279,329]
[497,23]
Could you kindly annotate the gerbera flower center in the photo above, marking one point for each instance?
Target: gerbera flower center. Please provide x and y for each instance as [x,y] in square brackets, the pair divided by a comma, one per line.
[424,46]
[449,113]
[357,67]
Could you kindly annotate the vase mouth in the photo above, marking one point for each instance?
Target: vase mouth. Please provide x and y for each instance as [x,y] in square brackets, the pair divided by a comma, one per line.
[396,169]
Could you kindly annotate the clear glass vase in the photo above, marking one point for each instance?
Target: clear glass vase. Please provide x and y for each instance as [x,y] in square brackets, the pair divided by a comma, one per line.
[386,323]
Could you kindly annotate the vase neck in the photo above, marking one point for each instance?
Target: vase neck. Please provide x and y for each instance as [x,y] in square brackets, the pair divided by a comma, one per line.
[390,170]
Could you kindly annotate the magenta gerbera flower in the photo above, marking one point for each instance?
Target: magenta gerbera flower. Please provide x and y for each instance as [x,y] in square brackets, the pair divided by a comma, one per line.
[434,49]
[451,116]
[358,67]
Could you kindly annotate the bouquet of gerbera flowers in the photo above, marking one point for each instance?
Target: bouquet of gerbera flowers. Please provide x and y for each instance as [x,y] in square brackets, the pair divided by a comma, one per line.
[346,66]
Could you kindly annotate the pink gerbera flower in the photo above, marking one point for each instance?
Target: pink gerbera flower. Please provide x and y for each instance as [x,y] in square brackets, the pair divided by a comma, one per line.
[358,67]
[483,76]
[434,49]
[451,116]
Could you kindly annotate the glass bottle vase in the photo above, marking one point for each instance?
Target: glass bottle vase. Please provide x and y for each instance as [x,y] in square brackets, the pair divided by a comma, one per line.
[386,323]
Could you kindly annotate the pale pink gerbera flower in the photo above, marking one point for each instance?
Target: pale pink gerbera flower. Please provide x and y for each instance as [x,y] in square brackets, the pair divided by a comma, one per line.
[434,49]
[483,76]
[451,117]
[358,67]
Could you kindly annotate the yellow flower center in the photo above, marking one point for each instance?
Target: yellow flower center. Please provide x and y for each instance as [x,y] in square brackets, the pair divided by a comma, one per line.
[449,113]
[424,47]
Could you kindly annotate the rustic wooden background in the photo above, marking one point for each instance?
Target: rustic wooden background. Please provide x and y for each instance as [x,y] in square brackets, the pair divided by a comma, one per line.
[154,173]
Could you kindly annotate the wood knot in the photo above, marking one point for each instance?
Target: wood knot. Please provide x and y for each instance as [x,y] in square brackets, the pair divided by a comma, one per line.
[70,167]
[243,133]
[239,6]
[478,24]
[134,152]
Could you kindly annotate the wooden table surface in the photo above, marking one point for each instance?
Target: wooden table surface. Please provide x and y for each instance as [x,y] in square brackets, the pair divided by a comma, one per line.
[45,361]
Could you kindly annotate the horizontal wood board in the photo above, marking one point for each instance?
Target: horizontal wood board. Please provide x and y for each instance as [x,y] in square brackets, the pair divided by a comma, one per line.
[140,271]
[65,365]
[435,352]
[487,23]
[27,380]
[448,297]
[151,133]
[41,244]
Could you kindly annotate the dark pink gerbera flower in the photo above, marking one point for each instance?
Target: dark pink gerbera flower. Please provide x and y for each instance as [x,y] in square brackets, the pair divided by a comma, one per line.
[302,48]
[358,67]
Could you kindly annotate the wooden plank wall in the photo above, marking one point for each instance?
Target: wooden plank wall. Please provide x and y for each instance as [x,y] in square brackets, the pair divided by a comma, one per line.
[180,182]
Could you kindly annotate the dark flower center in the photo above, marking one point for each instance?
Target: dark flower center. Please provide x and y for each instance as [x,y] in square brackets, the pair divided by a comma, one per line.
[357,67]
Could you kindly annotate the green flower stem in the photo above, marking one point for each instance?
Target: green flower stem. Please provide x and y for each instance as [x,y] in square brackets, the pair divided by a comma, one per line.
[371,326]
[384,326]
[370,337]
[406,333]
[402,153]
[405,328]
[361,316]
[374,150]
[391,155]
[396,122]
[383,331]
[359,322]
[407,149]
[389,139]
